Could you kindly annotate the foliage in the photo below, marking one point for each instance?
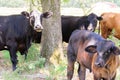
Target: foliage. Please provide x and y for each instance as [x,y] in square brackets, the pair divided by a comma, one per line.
[32,64]
[76,3]
[6,54]
[85,5]
[33,60]
[57,72]
[12,3]
[64,0]
[34,4]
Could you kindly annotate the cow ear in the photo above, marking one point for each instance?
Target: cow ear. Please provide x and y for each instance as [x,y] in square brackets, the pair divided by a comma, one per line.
[99,18]
[47,14]
[91,49]
[25,13]
[115,50]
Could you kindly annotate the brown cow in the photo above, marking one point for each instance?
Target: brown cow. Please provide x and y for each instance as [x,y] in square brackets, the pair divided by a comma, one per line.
[108,22]
[93,52]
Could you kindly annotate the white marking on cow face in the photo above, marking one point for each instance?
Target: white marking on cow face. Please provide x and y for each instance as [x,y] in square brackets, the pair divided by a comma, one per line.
[36,21]
[91,42]
[90,27]
[5,47]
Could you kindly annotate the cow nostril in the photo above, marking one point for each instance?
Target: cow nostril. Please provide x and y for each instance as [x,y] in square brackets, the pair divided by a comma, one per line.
[35,27]
[90,29]
[39,27]
[98,64]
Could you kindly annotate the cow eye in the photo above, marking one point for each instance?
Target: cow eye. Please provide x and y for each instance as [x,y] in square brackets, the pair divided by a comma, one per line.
[105,54]
[108,51]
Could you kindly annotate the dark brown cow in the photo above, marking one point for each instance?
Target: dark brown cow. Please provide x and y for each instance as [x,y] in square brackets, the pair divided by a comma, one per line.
[92,51]
[108,22]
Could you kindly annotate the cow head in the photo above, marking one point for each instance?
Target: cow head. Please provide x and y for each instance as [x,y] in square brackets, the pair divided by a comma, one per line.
[35,18]
[92,19]
[104,50]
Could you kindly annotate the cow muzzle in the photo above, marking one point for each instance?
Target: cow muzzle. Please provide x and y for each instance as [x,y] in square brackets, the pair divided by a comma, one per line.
[38,28]
[90,28]
[99,64]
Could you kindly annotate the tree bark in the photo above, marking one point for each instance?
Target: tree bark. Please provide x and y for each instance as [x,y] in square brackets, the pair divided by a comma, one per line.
[52,35]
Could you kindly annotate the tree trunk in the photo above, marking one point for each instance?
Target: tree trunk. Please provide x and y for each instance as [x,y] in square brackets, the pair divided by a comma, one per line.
[52,35]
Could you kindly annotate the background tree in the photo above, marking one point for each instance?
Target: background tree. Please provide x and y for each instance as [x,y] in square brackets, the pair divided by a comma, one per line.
[51,35]
[85,5]
[34,4]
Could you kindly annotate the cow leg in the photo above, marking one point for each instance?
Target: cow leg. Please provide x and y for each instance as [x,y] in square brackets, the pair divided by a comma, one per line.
[13,55]
[109,32]
[81,72]
[105,32]
[25,56]
[71,60]
[70,70]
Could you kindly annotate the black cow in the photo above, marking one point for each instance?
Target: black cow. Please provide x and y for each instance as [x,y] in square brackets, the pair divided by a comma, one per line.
[93,52]
[16,32]
[71,23]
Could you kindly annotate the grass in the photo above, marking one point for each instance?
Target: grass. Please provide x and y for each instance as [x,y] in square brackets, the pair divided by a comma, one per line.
[12,76]
[57,73]
[33,60]
[6,54]
[33,63]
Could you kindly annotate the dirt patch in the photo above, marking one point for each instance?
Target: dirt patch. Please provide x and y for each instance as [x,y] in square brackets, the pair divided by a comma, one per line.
[37,76]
